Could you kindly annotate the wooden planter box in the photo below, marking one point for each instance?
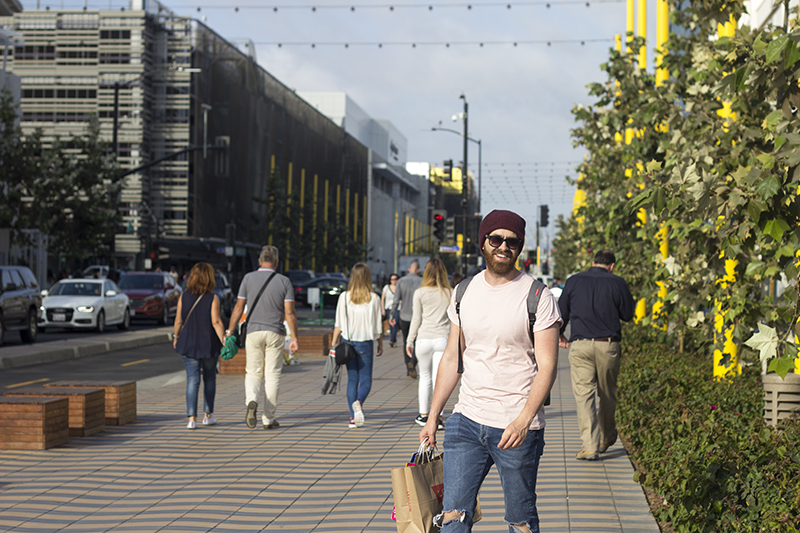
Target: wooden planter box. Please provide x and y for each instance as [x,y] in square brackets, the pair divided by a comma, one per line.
[316,344]
[33,422]
[781,397]
[120,398]
[87,407]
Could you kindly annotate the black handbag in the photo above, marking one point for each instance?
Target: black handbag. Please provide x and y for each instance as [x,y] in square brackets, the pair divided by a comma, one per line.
[241,337]
[345,352]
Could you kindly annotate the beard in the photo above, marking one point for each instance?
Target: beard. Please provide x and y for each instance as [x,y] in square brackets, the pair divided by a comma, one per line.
[499,267]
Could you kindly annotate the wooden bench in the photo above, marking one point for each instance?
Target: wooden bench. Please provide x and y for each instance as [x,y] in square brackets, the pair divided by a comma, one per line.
[87,407]
[120,398]
[33,422]
[316,344]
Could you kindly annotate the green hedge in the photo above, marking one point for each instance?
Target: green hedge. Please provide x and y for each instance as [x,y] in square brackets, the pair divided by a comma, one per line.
[702,445]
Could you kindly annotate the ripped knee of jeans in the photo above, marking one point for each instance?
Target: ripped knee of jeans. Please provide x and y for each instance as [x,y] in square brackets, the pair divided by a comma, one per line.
[448,516]
[522,528]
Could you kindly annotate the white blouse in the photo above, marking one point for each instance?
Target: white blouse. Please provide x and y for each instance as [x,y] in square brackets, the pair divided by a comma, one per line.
[359,322]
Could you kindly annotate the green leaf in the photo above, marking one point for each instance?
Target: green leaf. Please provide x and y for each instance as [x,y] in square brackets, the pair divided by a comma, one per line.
[775,48]
[775,228]
[753,267]
[759,45]
[767,161]
[771,122]
[653,166]
[768,187]
[781,366]
[765,341]
[792,55]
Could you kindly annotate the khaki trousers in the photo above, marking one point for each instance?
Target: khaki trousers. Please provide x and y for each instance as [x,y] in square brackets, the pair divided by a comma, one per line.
[594,367]
[263,367]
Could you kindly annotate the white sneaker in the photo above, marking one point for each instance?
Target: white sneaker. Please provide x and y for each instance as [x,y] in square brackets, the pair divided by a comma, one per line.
[358,414]
[191,425]
[209,420]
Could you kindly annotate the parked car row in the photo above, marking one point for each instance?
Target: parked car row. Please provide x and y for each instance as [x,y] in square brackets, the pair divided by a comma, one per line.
[19,302]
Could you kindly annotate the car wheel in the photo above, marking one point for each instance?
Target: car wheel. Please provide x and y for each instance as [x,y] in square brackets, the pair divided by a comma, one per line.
[29,333]
[164,314]
[126,320]
[101,322]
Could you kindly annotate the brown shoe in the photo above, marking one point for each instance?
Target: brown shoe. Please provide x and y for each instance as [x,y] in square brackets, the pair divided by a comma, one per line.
[608,444]
[587,456]
[412,371]
[273,425]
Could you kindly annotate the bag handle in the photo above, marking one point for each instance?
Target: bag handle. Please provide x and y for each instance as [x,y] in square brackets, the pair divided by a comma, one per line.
[425,454]
[190,314]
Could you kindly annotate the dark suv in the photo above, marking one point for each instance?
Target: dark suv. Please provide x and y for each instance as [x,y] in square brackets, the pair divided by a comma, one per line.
[20,301]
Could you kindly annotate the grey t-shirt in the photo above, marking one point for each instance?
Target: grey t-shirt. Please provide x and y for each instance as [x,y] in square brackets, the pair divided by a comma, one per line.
[270,313]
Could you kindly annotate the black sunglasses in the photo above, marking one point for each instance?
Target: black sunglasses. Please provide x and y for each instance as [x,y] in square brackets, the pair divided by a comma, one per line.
[496,240]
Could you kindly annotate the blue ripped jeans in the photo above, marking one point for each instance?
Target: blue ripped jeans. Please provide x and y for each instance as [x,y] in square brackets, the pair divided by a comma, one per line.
[359,373]
[470,450]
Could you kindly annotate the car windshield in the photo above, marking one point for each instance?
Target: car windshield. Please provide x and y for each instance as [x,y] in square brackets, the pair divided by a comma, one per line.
[76,288]
[132,281]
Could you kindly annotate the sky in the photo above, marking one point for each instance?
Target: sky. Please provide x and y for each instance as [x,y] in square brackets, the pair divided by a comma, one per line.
[410,61]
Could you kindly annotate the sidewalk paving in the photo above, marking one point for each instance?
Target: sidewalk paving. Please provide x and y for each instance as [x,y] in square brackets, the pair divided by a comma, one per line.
[311,474]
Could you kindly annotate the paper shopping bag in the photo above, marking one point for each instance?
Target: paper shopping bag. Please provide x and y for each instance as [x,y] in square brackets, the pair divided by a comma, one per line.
[417,495]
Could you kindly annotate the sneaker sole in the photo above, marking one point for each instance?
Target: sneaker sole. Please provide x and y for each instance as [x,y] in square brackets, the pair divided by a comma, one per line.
[250,419]
[358,414]
[420,422]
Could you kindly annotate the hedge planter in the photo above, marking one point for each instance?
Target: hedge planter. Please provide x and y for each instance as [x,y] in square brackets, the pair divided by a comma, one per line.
[781,397]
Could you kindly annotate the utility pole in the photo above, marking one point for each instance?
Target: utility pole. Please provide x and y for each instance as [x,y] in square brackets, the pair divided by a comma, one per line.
[464,190]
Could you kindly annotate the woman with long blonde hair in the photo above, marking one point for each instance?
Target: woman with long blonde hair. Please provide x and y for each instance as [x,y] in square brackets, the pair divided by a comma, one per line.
[429,330]
[358,321]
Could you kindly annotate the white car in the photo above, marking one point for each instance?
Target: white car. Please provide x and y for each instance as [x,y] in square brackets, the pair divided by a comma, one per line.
[85,303]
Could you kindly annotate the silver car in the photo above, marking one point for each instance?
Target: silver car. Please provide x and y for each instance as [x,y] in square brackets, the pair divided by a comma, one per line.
[85,303]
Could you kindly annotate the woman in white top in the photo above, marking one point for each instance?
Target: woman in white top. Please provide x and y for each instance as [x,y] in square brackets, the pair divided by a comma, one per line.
[358,321]
[429,330]
[387,299]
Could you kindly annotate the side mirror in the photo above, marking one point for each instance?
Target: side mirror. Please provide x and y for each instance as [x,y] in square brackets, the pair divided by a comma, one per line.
[109,294]
[44,293]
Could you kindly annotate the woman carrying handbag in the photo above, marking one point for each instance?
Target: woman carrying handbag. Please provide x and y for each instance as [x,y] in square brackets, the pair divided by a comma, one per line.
[198,338]
[358,322]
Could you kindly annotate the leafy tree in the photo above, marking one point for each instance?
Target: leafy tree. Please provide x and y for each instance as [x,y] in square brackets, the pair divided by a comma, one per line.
[65,190]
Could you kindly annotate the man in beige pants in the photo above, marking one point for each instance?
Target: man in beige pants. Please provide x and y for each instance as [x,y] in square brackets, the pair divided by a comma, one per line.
[594,302]
[266,334]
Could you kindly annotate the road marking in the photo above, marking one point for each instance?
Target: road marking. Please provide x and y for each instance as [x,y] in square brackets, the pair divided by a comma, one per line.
[26,383]
[135,362]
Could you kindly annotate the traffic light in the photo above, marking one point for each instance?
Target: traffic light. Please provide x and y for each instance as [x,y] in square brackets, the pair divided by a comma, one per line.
[439,221]
[448,169]
[544,212]
[450,229]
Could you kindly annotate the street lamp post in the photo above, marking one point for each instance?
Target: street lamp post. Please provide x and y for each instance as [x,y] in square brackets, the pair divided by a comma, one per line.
[480,159]
[464,187]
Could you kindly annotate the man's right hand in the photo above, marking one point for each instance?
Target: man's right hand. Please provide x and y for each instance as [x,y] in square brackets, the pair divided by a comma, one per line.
[429,431]
[563,342]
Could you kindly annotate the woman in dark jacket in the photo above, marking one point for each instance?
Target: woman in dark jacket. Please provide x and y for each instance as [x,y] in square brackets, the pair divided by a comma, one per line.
[199,333]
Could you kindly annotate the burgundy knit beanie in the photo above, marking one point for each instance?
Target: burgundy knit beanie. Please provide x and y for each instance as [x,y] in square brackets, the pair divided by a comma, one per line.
[501,219]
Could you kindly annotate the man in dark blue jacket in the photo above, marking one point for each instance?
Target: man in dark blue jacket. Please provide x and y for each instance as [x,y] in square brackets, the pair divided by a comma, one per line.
[594,302]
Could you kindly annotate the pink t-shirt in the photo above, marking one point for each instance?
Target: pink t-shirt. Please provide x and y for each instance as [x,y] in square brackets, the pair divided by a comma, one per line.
[499,363]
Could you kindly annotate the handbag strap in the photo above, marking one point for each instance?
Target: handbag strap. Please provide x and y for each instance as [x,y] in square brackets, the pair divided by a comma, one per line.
[190,314]
[258,297]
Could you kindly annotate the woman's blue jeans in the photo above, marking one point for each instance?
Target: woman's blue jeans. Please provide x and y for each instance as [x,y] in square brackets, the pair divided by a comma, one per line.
[359,374]
[393,329]
[470,450]
[208,368]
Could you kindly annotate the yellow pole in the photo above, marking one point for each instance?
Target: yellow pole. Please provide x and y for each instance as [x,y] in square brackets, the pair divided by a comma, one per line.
[271,173]
[355,217]
[643,33]
[662,34]
[314,222]
[325,201]
[364,223]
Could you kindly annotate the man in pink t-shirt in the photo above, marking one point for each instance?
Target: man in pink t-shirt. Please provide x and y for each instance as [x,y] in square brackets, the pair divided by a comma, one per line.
[499,417]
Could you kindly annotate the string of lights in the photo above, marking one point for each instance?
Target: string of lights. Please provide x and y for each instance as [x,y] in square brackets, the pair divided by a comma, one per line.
[446,44]
[428,6]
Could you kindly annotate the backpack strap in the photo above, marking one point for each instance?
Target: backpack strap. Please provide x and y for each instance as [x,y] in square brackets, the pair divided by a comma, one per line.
[461,288]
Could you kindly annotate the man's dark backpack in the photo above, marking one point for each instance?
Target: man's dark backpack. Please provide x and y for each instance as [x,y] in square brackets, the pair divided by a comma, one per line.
[533,303]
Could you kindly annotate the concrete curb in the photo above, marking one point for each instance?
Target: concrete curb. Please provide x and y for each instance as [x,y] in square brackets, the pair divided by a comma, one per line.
[48,352]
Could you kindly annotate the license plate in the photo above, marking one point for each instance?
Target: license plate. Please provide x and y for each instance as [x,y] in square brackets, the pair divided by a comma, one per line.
[59,317]
[133,312]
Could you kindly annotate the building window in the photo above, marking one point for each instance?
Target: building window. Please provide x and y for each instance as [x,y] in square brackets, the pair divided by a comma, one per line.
[115,59]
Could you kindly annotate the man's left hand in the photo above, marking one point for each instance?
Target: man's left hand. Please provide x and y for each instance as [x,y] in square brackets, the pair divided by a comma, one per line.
[293,346]
[514,435]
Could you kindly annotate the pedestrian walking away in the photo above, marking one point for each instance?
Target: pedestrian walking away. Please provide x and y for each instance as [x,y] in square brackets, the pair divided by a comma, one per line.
[499,417]
[593,303]
[403,302]
[198,337]
[387,298]
[427,336]
[358,321]
[269,298]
